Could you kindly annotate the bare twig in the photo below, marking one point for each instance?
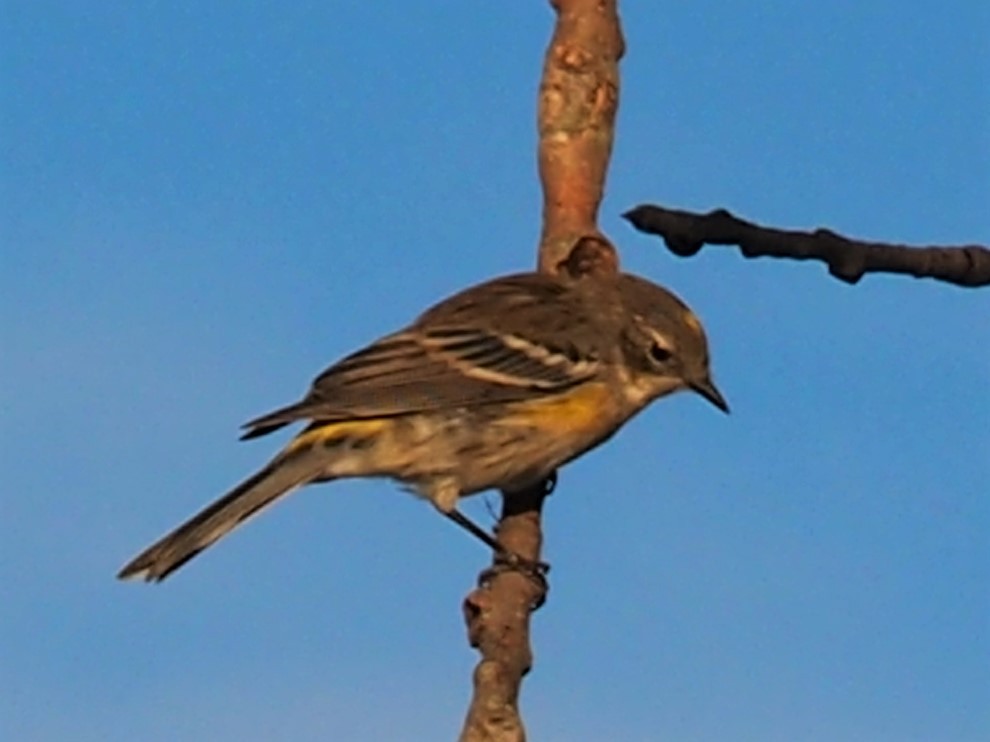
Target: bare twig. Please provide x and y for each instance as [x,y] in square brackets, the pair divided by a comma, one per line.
[579,95]
[578,99]
[685,233]
[497,616]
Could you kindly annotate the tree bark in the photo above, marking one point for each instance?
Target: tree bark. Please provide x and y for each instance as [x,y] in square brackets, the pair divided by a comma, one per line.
[578,98]
[685,233]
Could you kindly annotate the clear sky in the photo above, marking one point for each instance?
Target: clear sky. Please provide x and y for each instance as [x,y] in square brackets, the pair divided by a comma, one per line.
[203,204]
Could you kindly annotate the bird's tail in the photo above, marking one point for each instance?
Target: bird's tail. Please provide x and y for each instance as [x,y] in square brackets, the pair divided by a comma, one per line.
[169,553]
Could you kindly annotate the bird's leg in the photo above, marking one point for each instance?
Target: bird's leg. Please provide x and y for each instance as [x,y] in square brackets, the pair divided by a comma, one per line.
[503,557]
[474,529]
[444,493]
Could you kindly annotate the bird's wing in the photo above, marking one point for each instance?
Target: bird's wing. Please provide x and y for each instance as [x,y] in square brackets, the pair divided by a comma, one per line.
[445,360]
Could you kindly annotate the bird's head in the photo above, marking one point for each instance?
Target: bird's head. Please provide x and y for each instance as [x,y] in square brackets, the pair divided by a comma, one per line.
[664,346]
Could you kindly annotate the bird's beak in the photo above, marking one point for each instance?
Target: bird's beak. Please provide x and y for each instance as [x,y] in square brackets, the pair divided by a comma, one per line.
[707,389]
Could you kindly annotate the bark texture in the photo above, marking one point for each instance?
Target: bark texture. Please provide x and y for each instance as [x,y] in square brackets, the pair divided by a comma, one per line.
[685,233]
[578,98]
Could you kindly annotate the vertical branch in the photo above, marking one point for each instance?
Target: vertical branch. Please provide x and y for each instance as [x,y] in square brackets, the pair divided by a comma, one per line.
[497,616]
[579,94]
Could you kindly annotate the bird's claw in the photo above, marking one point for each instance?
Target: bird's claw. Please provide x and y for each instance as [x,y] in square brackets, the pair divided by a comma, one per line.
[508,561]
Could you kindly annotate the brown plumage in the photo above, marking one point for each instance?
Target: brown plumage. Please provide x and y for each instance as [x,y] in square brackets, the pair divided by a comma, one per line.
[495,387]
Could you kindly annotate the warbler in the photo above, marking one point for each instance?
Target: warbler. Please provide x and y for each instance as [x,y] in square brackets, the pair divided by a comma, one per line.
[493,388]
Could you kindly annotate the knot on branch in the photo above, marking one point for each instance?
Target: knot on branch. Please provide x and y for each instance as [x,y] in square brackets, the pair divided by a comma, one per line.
[592,255]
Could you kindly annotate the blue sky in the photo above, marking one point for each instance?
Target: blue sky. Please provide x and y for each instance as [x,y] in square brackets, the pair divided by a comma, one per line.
[203,204]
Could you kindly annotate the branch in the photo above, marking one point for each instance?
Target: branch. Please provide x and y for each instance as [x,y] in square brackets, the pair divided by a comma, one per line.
[579,93]
[685,233]
[497,616]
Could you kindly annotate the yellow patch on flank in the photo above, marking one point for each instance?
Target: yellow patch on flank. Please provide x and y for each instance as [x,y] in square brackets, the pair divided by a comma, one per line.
[346,428]
[581,408]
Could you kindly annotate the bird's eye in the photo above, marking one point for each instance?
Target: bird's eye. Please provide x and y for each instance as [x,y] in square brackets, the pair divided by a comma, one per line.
[659,353]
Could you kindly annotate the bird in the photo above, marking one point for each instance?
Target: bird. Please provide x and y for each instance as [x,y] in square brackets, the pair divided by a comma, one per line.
[495,387]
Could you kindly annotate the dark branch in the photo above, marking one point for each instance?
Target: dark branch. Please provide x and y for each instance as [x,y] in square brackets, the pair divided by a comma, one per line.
[685,233]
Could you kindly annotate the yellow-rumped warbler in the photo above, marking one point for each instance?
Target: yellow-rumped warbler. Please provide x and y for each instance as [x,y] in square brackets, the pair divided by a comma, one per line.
[495,387]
